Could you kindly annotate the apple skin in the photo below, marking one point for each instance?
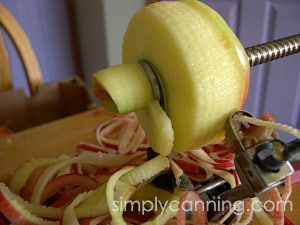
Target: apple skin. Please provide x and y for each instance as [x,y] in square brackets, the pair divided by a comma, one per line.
[13,210]
[13,213]
[17,215]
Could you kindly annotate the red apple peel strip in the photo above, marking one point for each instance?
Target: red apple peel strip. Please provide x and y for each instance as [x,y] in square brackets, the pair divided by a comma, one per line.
[122,134]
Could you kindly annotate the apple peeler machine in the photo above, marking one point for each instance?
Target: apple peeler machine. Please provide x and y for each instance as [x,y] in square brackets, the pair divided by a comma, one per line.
[261,167]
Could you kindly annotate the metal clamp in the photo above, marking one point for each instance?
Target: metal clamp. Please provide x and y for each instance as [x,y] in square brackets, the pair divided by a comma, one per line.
[259,167]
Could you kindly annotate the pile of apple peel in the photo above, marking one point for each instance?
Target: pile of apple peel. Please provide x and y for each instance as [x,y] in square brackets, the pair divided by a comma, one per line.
[101,181]
[81,189]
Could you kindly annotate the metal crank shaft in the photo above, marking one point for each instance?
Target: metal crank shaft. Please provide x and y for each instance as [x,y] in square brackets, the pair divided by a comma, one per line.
[272,50]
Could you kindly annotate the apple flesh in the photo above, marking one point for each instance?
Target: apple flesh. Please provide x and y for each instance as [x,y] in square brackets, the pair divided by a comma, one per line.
[202,65]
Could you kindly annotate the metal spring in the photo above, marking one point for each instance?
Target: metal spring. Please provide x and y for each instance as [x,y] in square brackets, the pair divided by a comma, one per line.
[276,49]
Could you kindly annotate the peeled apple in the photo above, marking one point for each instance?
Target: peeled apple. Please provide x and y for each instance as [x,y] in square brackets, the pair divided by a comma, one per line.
[202,66]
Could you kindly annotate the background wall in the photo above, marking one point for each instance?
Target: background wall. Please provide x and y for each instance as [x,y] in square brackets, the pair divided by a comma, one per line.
[100,29]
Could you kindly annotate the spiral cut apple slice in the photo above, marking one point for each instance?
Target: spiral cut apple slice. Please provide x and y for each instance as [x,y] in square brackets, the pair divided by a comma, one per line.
[202,66]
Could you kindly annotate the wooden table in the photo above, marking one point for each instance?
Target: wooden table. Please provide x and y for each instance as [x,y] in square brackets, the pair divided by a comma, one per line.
[62,136]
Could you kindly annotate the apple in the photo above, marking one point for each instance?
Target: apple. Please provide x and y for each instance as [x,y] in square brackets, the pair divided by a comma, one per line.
[202,65]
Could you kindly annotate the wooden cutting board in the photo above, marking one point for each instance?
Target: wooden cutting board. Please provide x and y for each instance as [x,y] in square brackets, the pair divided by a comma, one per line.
[62,136]
[51,139]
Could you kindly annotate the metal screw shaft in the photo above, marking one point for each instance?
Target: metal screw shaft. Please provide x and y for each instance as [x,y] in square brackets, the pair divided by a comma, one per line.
[276,49]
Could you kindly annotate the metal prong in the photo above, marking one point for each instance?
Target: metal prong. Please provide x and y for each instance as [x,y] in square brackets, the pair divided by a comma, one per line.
[210,186]
[238,193]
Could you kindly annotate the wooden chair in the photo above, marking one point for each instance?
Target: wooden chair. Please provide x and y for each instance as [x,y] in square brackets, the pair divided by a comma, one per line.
[47,101]
[26,53]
